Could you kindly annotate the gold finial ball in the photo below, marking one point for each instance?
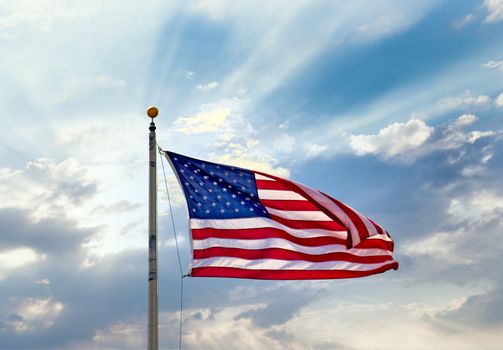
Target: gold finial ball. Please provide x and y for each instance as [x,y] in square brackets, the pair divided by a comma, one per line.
[152,112]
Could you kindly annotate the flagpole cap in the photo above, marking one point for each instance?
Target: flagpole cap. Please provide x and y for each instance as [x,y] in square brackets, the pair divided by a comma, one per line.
[152,112]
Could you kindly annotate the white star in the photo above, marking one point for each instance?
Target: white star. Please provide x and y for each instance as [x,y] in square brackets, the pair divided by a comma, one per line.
[221,210]
[236,210]
[226,173]
[242,203]
[185,165]
[175,158]
[220,180]
[210,190]
[227,203]
[206,177]
[193,209]
[214,183]
[233,196]
[213,204]
[251,209]
[207,211]
[225,190]
[205,197]
[219,196]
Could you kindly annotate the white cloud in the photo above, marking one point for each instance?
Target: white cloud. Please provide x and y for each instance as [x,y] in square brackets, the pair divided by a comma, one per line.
[465,119]
[464,101]
[459,24]
[314,150]
[493,65]
[13,259]
[48,188]
[475,135]
[494,9]
[499,100]
[396,139]
[38,312]
[212,121]
[476,208]
[207,87]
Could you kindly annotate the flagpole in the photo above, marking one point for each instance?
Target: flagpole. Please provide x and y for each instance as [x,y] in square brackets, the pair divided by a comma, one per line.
[153,318]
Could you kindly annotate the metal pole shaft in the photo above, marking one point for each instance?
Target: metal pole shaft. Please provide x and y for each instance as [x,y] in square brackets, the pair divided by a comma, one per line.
[153,318]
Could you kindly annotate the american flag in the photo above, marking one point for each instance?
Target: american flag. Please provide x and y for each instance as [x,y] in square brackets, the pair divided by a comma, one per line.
[248,224]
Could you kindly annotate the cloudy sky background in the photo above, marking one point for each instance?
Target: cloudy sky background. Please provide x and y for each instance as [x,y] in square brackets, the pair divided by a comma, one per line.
[395,108]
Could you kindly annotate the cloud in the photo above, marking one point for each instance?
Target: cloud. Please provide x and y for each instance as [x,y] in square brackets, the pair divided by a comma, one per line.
[207,87]
[493,65]
[47,187]
[478,311]
[499,100]
[396,139]
[466,100]
[211,121]
[314,150]
[495,10]
[408,141]
[12,259]
[459,24]
[479,207]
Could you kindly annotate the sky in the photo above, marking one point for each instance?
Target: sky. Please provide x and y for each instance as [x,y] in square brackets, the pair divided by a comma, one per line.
[393,107]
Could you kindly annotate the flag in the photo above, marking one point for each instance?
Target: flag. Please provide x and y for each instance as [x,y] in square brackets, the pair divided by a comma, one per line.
[248,224]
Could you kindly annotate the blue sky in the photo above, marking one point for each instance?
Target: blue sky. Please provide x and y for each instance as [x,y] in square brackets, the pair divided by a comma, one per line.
[395,108]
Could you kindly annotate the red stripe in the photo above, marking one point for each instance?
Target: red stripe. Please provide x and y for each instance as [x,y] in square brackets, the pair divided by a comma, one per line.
[306,224]
[263,233]
[271,185]
[378,228]
[230,272]
[360,226]
[292,205]
[375,244]
[285,254]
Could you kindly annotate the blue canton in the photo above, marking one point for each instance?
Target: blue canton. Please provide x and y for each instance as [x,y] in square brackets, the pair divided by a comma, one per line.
[216,191]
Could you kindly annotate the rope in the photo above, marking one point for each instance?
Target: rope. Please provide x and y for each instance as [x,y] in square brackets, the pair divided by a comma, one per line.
[182,276]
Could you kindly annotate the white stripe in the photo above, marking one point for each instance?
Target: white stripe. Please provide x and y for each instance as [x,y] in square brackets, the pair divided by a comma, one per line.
[333,208]
[278,194]
[383,237]
[260,222]
[306,215]
[368,225]
[259,244]
[273,264]
[262,177]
